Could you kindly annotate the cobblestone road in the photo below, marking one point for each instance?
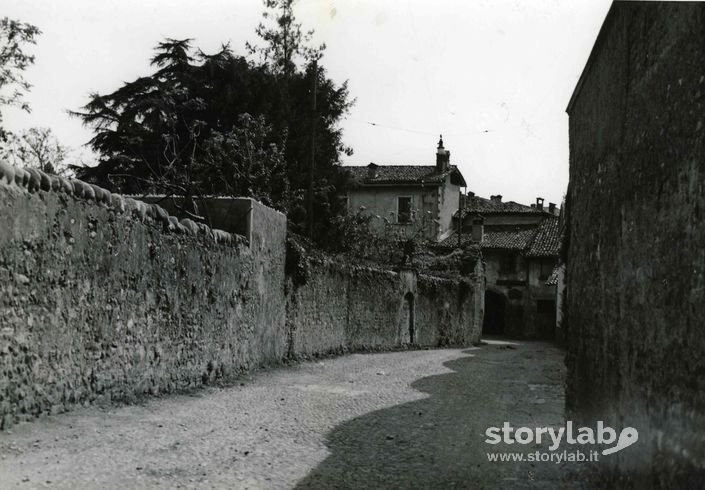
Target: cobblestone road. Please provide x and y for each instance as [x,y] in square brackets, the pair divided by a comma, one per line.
[412,419]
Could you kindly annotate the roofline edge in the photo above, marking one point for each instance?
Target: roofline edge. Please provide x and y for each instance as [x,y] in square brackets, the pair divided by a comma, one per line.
[591,56]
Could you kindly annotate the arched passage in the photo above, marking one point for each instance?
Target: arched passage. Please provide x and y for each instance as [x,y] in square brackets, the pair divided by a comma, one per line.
[495,312]
[407,319]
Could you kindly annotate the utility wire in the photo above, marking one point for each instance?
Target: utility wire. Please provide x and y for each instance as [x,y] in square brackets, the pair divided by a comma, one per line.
[378,125]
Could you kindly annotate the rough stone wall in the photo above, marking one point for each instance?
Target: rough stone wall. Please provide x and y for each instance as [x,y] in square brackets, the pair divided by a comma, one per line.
[340,307]
[104,298]
[636,262]
[560,298]
[446,312]
[232,214]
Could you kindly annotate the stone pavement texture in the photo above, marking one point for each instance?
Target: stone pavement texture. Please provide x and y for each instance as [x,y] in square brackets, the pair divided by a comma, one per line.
[413,419]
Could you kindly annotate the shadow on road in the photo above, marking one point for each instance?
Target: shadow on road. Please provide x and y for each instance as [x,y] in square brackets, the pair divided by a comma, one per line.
[438,442]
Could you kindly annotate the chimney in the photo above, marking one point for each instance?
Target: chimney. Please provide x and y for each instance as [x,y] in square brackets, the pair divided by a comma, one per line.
[372,170]
[539,203]
[496,199]
[471,194]
[552,207]
[442,157]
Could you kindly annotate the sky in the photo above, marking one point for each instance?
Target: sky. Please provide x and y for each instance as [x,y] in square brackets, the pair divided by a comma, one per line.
[493,76]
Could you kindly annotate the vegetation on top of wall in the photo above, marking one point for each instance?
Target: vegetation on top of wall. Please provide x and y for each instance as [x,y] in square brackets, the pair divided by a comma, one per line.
[459,262]
[355,240]
[297,265]
[302,254]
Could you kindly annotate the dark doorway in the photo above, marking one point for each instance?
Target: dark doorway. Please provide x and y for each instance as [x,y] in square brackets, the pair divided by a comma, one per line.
[546,318]
[407,322]
[495,310]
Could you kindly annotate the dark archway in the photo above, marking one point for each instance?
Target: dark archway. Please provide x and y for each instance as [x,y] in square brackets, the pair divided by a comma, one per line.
[407,322]
[495,313]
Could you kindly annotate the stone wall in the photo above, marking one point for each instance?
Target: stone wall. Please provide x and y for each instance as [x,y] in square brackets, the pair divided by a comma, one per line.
[232,214]
[105,298]
[336,307]
[635,308]
[449,312]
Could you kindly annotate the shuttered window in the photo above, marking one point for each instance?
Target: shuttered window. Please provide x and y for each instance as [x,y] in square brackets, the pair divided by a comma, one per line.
[403,210]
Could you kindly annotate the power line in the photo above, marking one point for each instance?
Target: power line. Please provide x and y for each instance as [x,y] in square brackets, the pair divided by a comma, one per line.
[395,128]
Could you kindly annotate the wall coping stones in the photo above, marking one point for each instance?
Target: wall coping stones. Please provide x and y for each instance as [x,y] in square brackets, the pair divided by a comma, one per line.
[203,197]
[32,180]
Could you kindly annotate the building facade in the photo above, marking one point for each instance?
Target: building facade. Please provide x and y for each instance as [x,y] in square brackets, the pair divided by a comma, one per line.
[520,247]
[416,201]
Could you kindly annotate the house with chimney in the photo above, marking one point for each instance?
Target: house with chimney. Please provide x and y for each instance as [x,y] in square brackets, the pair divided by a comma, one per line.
[520,247]
[414,201]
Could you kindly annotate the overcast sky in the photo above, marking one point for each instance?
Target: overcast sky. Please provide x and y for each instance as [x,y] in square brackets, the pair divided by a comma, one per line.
[493,76]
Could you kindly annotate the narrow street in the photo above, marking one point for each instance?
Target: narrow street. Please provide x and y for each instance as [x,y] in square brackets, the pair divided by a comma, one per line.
[396,420]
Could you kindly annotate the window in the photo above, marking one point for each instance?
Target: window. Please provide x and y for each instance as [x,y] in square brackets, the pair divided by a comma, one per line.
[403,210]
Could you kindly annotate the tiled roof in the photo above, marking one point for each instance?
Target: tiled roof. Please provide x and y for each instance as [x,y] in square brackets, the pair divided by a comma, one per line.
[517,239]
[399,174]
[475,204]
[541,241]
[451,241]
[548,239]
[508,240]
[553,278]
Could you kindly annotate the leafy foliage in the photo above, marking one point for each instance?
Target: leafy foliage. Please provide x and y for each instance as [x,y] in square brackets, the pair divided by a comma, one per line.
[170,132]
[38,148]
[353,235]
[221,124]
[244,162]
[14,36]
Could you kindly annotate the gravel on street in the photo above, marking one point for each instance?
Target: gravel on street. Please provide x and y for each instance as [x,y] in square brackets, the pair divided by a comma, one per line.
[409,419]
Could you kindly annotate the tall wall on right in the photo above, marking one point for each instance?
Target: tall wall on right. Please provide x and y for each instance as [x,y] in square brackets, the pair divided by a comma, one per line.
[635,312]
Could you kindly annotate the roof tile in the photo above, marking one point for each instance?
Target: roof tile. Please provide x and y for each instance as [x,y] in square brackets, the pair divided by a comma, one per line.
[518,239]
[507,240]
[553,278]
[548,239]
[399,174]
[475,204]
